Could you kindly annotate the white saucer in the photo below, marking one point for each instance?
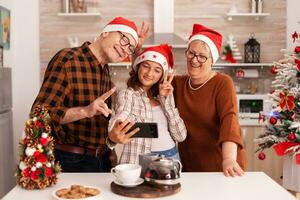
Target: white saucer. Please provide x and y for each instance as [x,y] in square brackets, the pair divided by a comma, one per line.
[138,182]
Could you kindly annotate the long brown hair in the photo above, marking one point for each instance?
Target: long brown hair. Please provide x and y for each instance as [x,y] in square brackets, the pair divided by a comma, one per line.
[135,83]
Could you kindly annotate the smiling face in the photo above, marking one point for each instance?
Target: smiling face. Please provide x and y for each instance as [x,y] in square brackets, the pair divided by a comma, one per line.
[201,50]
[149,73]
[114,45]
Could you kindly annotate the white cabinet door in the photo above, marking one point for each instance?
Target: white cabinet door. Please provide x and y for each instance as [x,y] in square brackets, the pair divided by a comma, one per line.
[7,167]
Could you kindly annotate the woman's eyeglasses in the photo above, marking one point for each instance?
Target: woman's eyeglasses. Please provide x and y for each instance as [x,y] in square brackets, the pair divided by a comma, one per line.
[191,55]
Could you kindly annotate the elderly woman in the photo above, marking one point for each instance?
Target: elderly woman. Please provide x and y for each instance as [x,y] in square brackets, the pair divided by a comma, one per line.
[206,101]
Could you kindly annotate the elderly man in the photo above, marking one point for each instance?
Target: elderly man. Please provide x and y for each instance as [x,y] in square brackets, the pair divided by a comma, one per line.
[77,89]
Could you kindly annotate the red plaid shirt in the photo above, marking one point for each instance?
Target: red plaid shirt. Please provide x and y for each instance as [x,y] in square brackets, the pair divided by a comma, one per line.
[74,77]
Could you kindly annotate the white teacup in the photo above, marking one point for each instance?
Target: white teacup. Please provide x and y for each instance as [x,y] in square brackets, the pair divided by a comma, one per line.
[127,173]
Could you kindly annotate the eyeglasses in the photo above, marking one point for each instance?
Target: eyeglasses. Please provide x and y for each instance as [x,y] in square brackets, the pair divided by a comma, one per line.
[200,58]
[124,41]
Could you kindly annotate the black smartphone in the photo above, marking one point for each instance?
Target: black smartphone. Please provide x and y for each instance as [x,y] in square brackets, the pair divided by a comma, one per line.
[147,130]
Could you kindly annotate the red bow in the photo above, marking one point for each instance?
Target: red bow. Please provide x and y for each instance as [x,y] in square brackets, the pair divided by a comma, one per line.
[286,100]
[281,148]
[294,36]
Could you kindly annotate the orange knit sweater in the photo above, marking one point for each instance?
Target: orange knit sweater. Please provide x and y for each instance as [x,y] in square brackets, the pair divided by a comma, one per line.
[210,116]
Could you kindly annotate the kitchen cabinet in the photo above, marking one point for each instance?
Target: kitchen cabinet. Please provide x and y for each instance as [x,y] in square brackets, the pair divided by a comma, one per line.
[272,165]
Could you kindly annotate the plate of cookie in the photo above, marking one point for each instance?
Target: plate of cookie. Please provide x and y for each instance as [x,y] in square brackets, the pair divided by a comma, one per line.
[77,192]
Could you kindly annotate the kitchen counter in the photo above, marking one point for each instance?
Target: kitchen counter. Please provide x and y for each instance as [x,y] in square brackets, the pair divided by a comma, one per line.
[206,186]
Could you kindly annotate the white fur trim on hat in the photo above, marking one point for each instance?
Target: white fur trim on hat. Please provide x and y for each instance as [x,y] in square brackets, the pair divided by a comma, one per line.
[213,49]
[152,56]
[122,28]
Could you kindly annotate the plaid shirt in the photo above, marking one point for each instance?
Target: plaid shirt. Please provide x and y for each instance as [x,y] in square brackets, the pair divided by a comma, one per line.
[73,78]
[135,106]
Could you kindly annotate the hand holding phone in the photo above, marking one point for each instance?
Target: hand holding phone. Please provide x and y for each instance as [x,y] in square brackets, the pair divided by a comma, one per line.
[147,130]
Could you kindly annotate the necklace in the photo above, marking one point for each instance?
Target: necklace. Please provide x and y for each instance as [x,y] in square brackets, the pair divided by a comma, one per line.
[197,88]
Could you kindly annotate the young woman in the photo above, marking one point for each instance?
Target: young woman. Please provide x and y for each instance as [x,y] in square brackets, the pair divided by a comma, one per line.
[149,98]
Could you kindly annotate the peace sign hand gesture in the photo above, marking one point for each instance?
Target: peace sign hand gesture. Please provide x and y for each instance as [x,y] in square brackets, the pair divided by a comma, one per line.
[98,106]
[166,88]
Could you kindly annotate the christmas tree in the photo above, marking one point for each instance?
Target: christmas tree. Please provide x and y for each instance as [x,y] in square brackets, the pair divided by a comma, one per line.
[231,51]
[37,168]
[282,130]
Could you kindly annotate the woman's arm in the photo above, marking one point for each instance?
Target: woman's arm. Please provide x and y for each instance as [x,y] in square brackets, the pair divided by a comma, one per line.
[175,123]
[229,154]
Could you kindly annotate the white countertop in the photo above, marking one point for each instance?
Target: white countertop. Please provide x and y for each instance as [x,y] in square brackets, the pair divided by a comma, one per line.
[203,186]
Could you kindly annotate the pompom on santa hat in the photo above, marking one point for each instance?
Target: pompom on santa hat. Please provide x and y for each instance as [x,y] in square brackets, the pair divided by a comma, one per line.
[123,25]
[212,38]
[161,54]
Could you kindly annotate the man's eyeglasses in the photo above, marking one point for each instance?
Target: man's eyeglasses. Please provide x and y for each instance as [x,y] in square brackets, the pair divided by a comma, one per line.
[200,58]
[124,41]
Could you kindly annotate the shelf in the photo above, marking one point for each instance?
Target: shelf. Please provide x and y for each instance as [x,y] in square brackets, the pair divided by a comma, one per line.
[79,14]
[243,64]
[121,64]
[230,16]
[215,66]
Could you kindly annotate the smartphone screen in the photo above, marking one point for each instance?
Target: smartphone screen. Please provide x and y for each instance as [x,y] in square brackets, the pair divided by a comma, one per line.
[147,130]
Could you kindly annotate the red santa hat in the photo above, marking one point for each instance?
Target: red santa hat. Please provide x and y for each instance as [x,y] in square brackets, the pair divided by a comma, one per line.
[212,38]
[123,25]
[161,54]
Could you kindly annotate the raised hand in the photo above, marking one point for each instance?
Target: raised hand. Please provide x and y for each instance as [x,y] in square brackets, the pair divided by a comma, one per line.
[143,34]
[98,106]
[166,88]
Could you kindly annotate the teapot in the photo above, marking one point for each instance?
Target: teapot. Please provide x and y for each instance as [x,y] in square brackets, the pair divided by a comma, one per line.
[163,171]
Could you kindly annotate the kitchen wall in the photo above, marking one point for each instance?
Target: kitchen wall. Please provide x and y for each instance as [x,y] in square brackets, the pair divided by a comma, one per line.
[270,31]
[23,59]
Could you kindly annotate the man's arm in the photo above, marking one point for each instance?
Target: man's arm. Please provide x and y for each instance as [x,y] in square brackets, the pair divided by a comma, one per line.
[97,107]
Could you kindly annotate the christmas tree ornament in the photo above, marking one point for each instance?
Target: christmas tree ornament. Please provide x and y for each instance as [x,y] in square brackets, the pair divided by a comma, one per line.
[292,136]
[274,70]
[231,51]
[240,73]
[37,169]
[273,120]
[261,156]
[295,36]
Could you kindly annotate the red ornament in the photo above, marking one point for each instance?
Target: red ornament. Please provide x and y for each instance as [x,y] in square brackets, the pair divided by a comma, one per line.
[35,174]
[273,120]
[297,49]
[44,141]
[42,158]
[272,91]
[38,124]
[274,70]
[48,171]
[294,36]
[292,136]
[261,156]
[240,73]
[36,154]
[26,172]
